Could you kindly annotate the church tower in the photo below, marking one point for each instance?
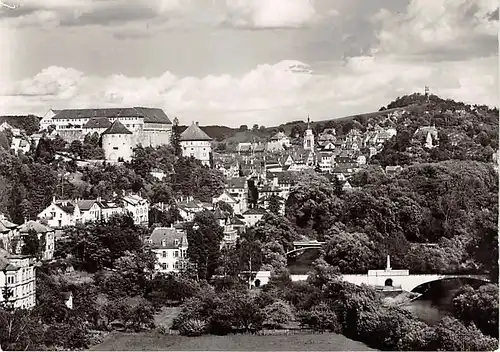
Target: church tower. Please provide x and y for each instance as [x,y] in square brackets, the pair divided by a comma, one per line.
[309,136]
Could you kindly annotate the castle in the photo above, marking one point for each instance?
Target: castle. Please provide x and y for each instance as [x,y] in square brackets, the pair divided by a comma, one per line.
[196,143]
[121,128]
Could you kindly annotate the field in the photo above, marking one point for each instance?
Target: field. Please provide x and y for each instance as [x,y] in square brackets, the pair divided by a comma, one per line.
[152,341]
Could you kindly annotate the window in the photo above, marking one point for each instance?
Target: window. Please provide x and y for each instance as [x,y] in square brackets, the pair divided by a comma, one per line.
[115,148]
[164,266]
[164,254]
[10,279]
[176,266]
[176,254]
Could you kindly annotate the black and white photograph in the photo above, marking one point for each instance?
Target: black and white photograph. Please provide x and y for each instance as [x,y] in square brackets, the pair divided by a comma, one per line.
[249,175]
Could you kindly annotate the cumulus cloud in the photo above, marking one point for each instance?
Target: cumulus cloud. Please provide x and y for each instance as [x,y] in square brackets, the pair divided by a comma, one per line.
[440,28]
[268,94]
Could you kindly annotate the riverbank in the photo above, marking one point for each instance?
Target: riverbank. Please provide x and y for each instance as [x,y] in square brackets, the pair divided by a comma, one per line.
[154,341]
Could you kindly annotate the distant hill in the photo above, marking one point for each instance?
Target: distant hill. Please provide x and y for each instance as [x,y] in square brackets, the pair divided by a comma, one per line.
[29,123]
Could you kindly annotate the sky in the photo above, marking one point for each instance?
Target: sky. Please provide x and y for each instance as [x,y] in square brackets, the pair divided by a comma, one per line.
[234,62]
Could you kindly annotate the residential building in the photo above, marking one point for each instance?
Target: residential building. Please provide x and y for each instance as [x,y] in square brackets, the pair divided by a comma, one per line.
[8,230]
[138,207]
[237,187]
[61,213]
[46,235]
[196,143]
[17,276]
[253,215]
[280,141]
[235,203]
[170,246]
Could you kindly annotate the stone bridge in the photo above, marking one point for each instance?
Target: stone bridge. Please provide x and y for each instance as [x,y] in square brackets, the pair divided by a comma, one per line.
[387,278]
[299,246]
[390,280]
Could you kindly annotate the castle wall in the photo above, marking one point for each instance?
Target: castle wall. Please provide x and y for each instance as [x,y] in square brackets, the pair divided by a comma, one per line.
[117,146]
[70,135]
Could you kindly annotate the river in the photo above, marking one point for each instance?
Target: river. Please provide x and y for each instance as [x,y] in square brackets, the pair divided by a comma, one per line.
[434,303]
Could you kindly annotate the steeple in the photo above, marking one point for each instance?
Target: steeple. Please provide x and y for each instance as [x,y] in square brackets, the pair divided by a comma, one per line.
[308,122]
[309,136]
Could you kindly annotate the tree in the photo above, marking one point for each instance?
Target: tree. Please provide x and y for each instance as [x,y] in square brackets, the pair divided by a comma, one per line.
[275,204]
[255,127]
[204,238]
[243,128]
[76,148]
[479,306]
[250,251]
[45,152]
[32,245]
[176,135]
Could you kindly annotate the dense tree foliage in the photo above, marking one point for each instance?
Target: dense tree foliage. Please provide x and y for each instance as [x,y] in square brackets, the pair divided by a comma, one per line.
[204,237]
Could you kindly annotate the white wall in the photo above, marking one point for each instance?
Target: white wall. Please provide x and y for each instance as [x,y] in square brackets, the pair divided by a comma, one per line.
[117,146]
[198,149]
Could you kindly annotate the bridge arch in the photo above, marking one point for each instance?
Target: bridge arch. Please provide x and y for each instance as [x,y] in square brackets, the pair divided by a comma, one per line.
[421,280]
[302,249]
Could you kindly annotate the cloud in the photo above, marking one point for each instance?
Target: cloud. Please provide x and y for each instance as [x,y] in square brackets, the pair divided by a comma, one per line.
[440,29]
[268,94]
[169,13]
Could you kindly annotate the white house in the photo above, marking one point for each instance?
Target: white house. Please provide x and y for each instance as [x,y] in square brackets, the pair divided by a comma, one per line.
[89,210]
[108,209]
[170,246]
[232,201]
[138,207]
[17,275]
[279,141]
[237,187]
[61,213]
[196,143]
[42,231]
[253,216]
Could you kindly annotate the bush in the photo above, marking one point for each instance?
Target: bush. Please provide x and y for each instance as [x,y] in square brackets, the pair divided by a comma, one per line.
[193,327]
[451,335]
[277,314]
[320,317]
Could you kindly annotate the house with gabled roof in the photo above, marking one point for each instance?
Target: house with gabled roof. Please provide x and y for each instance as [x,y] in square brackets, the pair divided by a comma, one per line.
[61,213]
[138,207]
[45,234]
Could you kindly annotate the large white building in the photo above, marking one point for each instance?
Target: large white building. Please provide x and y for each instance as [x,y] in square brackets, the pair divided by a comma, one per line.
[148,126]
[17,276]
[138,207]
[44,233]
[170,246]
[196,143]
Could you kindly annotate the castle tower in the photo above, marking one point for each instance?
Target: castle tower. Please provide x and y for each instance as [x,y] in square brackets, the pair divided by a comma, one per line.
[309,136]
[117,142]
[196,143]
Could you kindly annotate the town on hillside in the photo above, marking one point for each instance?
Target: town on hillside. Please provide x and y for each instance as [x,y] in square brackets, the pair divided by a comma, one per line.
[112,216]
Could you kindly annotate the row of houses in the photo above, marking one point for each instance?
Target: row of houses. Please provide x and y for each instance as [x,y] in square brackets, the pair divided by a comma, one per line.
[62,213]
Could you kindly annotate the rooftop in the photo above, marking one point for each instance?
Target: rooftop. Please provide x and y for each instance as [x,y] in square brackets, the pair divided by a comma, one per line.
[117,128]
[194,133]
[151,115]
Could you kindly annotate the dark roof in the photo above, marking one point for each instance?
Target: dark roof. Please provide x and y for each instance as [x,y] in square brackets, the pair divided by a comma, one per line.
[85,204]
[151,115]
[168,235]
[117,128]
[237,221]
[236,182]
[194,133]
[33,225]
[98,122]
[68,208]
[255,211]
